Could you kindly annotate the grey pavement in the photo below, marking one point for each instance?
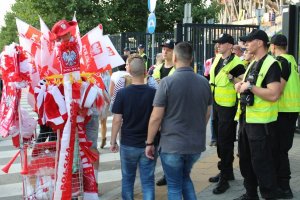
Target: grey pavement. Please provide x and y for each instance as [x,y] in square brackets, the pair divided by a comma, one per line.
[237,188]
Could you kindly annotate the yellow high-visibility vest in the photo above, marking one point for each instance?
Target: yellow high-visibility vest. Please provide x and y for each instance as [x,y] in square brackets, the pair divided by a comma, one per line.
[156,71]
[290,99]
[221,86]
[262,111]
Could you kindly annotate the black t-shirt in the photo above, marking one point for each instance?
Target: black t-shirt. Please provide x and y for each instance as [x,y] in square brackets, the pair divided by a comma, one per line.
[273,74]
[235,72]
[164,71]
[135,104]
[285,67]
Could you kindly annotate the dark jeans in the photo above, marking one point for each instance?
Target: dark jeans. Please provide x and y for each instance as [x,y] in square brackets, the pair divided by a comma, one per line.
[283,142]
[256,161]
[225,129]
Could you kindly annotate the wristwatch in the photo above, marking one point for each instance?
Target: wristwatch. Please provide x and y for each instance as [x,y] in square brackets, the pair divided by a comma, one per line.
[149,144]
[250,86]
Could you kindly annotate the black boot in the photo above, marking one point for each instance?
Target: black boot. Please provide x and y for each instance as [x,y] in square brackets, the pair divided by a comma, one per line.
[215,179]
[222,186]
[284,190]
[162,181]
[247,197]
[284,193]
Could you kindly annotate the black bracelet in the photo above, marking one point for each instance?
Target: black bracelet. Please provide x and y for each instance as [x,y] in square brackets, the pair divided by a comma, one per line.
[114,143]
[149,144]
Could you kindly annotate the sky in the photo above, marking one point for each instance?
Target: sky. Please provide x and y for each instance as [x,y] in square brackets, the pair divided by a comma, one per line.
[5,6]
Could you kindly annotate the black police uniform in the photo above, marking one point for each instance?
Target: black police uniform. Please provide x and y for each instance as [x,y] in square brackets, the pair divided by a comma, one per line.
[225,126]
[255,142]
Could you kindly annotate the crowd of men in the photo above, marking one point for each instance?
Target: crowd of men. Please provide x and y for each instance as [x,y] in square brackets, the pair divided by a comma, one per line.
[249,92]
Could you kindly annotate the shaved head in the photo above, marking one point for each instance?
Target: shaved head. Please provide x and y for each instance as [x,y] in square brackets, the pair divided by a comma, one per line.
[137,67]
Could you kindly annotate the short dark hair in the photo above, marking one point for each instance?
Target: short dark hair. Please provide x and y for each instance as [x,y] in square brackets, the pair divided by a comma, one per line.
[123,67]
[184,52]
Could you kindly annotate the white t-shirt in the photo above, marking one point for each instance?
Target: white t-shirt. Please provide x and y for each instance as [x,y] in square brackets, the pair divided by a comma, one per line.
[115,77]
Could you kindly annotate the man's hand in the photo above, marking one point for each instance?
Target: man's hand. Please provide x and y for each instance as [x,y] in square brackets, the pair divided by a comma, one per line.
[237,86]
[114,148]
[157,80]
[244,86]
[150,152]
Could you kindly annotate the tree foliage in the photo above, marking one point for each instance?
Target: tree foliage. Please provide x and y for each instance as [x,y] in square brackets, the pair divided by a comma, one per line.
[115,15]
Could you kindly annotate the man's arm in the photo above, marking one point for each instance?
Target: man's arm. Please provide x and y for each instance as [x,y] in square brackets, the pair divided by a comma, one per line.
[111,88]
[116,125]
[271,93]
[237,73]
[154,124]
[208,113]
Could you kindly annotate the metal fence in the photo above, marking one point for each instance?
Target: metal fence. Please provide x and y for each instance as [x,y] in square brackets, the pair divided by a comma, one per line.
[199,35]
[133,39]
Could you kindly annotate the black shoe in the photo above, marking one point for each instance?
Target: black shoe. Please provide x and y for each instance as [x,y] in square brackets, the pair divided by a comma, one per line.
[222,186]
[216,178]
[162,181]
[284,194]
[247,197]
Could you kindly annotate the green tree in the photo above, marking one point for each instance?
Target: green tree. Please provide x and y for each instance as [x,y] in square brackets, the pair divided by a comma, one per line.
[131,15]
[115,15]
[89,14]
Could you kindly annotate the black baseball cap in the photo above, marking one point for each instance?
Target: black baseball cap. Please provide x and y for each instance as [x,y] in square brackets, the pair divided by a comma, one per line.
[256,34]
[169,44]
[224,38]
[141,46]
[279,40]
[126,49]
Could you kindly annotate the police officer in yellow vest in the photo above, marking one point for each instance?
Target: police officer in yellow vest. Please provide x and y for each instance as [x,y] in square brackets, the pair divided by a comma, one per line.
[226,69]
[257,114]
[162,70]
[289,108]
[141,50]
[167,67]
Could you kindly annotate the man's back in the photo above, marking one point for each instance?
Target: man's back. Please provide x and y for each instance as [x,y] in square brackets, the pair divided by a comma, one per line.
[185,96]
[135,104]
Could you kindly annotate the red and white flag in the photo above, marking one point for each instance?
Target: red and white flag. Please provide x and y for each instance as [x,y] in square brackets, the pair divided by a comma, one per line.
[48,64]
[94,53]
[77,33]
[31,64]
[115,59]
[28,31]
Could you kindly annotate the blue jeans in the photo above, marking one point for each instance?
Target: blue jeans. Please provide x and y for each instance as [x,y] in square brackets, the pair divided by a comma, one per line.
[131,157]
[177,168]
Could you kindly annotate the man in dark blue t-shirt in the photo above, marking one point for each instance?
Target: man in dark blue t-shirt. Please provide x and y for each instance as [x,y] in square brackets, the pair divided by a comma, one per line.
[132,109]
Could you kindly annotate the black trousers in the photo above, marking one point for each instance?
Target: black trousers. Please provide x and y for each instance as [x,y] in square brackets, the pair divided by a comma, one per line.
[283,142]
[225,129]
[256,161]
[45,132]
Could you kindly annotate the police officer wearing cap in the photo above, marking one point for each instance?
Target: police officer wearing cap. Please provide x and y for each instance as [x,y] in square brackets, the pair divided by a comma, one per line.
[226,70]
[126,51]
[289,108]
[162,70]
[141,50]
[167,67]
[257,113]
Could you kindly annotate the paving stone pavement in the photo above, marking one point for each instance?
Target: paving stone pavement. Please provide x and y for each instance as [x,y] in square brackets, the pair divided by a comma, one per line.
[206,167]
[237,188]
